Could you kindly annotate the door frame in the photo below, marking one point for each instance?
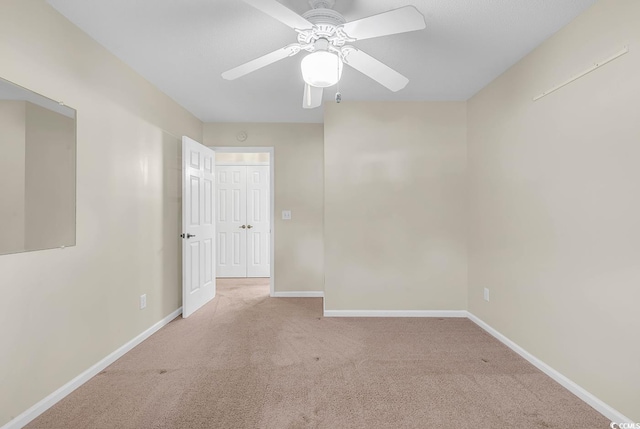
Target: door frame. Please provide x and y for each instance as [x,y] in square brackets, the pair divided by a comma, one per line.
[271,151]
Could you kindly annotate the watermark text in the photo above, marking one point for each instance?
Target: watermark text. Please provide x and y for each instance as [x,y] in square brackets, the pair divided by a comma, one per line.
[615,425]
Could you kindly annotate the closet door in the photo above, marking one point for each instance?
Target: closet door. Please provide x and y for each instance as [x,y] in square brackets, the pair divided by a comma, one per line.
[231,222]
[258,222]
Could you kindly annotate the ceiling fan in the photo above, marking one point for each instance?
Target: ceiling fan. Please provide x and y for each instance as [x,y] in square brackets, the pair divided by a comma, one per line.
[326,35]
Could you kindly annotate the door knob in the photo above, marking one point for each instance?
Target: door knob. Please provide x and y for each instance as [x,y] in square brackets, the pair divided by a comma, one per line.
[249,226]
[242,226]
[190,235]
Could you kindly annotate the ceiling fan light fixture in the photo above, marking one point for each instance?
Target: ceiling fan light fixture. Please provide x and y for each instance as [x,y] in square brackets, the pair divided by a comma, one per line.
[321,69]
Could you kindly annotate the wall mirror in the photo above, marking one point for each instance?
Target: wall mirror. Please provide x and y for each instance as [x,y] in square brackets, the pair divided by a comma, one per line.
[37,171]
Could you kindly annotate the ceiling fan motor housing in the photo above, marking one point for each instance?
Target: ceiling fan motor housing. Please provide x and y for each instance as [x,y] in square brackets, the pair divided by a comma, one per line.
[327,24]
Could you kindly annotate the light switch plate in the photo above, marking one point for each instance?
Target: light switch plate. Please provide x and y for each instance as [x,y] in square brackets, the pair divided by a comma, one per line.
[143,301]
[286,214]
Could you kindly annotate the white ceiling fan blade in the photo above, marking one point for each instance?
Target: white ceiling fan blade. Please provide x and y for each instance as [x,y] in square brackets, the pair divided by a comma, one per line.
[401,20]
[278,11]
[258,63]
[381,73]
[312,97]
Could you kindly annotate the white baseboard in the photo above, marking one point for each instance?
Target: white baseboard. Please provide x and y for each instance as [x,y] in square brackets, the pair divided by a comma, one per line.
[42,406]
[299,294]
[594,402]
[395,313]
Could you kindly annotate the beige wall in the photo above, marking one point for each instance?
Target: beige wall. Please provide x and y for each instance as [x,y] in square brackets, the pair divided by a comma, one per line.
[395,202]
[61,311]
[12,166]
[241,158]
[50,190]
[554,210]
[298,187]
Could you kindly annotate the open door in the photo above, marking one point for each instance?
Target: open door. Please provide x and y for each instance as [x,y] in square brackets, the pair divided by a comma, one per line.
[198,226]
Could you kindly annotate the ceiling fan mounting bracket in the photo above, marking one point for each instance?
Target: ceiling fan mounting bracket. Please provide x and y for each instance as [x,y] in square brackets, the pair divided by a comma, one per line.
[324,16]
[294,48]
[321,4]
[345,51]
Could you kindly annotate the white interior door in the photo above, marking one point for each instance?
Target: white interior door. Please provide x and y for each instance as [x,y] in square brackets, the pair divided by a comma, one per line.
[198,225]
[243,222]
[258,222]
[231,225]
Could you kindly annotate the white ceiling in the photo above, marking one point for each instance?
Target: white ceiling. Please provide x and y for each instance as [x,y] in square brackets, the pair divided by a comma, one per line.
[182,47]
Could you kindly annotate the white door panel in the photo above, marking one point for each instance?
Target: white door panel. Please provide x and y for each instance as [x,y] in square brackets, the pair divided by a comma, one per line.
[198,226]
[258,222]
[243,221]
[231,222]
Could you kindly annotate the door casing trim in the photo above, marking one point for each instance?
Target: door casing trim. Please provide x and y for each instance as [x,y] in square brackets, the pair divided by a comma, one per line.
[271,151]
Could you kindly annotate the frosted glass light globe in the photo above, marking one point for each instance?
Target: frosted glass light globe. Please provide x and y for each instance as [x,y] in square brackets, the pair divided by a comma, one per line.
[321,69]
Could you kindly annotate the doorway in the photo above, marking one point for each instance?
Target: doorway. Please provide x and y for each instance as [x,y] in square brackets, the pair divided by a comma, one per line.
[245,209]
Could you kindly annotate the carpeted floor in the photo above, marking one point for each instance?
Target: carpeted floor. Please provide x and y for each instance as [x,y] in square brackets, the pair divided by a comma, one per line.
[249,361]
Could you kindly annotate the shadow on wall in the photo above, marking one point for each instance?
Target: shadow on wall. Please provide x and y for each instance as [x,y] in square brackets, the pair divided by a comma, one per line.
[171,221]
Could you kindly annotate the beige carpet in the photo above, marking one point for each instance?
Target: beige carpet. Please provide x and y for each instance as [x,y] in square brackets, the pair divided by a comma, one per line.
[249,361]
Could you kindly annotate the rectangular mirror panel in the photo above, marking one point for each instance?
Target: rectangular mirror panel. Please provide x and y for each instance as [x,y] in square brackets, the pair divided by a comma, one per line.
[37,171]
